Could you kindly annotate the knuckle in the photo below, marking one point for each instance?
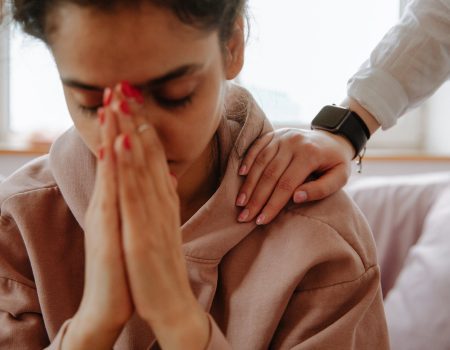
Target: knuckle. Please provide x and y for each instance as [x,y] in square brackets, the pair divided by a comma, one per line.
[262,159]
[296,138]
[269,175]
[310,148]
[286,185]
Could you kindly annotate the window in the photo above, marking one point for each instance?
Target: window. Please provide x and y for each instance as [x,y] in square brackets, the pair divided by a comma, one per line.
[301,53]
[299,57]
[35,91]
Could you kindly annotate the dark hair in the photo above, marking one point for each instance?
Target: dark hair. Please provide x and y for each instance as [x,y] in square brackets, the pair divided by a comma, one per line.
[206,14]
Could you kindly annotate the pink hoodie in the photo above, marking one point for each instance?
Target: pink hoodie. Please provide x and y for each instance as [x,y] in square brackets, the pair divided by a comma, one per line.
[309,280]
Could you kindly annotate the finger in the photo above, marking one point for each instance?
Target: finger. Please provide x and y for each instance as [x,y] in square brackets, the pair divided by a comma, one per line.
[108,127]
[259,166]
[325,185]
[284,190]
[102,216]
[122,108]
[253,152]
[137,200]
[153,150]
[266,185]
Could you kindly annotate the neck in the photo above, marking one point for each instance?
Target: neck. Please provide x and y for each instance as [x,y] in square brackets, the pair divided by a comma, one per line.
[199,183]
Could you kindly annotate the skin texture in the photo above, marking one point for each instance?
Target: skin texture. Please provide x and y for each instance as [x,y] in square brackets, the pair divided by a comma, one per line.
[137,207]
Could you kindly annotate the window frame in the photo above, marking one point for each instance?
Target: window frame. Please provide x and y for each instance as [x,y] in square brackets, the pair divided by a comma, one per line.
[4,79]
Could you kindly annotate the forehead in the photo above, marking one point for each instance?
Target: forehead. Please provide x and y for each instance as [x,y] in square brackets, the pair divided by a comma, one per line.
[126,44]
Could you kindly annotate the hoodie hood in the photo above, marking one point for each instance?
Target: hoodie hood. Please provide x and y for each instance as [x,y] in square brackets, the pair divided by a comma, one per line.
[213,230]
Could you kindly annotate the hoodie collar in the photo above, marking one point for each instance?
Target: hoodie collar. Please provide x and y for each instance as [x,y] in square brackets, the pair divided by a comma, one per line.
[213,230]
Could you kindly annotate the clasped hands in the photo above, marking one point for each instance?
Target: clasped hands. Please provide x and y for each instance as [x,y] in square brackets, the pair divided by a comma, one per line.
[134,259]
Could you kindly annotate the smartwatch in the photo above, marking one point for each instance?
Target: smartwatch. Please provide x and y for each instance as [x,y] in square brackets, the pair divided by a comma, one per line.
[342,121]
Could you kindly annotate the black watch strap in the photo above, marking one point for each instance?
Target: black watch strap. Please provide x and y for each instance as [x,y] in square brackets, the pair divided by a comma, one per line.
[345,122]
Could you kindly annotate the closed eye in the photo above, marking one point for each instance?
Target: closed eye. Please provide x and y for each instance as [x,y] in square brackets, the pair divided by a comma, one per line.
[174,103]
[89,111]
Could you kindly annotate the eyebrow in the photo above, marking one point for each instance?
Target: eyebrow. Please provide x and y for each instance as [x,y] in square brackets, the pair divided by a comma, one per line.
[150,85]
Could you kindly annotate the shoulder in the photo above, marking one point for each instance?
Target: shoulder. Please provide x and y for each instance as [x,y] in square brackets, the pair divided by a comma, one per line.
[320,244]
[30,182]
[341,217]
[338,214]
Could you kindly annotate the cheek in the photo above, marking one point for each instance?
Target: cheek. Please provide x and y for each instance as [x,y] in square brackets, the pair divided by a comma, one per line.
[196,132]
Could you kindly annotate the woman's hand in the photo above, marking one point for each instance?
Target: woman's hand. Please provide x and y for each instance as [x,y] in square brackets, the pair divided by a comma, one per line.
[150,224]
[106,305]
[303,165]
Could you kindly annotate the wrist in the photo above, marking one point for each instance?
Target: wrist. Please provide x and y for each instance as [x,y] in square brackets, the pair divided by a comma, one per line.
[343,142]
[368,119]
[82,334]
[345,123]
[186,329]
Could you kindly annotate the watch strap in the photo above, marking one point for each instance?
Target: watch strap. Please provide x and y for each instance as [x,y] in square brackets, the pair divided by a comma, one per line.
[342,121]
[355,130]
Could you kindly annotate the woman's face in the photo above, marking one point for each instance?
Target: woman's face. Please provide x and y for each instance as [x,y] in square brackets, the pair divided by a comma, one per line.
[183,71]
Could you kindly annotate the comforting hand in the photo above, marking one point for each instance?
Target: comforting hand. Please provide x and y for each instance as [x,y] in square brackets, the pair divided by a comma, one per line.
[304,165]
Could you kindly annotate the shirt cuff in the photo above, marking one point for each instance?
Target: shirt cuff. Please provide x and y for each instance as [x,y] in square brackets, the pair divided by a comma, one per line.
[380,94]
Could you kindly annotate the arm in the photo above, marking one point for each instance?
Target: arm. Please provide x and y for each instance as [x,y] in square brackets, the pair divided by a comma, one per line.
[21,321]
[409,64]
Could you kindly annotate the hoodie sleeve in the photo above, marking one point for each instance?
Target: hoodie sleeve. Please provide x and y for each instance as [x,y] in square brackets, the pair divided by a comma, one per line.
[408,65]
[347,316]
[21,322]
[340,316]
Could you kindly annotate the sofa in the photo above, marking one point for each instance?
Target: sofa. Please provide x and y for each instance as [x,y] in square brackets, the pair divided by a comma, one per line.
[410,220]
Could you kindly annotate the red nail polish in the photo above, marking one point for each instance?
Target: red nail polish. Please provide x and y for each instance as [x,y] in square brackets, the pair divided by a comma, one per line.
[126,89]
[101,153]
[101,116]
[107,97]
[131,92]
[124,107]
[127,142]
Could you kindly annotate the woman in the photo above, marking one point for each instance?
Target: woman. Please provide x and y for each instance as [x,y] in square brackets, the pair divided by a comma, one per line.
[125,235]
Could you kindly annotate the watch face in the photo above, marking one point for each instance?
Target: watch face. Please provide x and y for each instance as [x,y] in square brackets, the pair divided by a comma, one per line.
[330,117]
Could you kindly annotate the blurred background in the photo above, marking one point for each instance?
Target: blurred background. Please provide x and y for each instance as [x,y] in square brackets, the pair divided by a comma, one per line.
[299,57]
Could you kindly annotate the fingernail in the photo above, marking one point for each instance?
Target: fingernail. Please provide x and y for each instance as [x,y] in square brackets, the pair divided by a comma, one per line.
[131,92]
[300,197]
[127,142]
[244,215]
[101,116]
[125,108]
[241,200]
[107,97]
[243,170]
[101,153]
[260,219]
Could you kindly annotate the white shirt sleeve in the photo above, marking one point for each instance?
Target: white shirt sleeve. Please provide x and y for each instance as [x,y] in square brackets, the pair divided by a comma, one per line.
[409,64]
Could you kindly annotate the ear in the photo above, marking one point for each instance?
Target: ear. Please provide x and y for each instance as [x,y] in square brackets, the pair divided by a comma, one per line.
[234,50]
